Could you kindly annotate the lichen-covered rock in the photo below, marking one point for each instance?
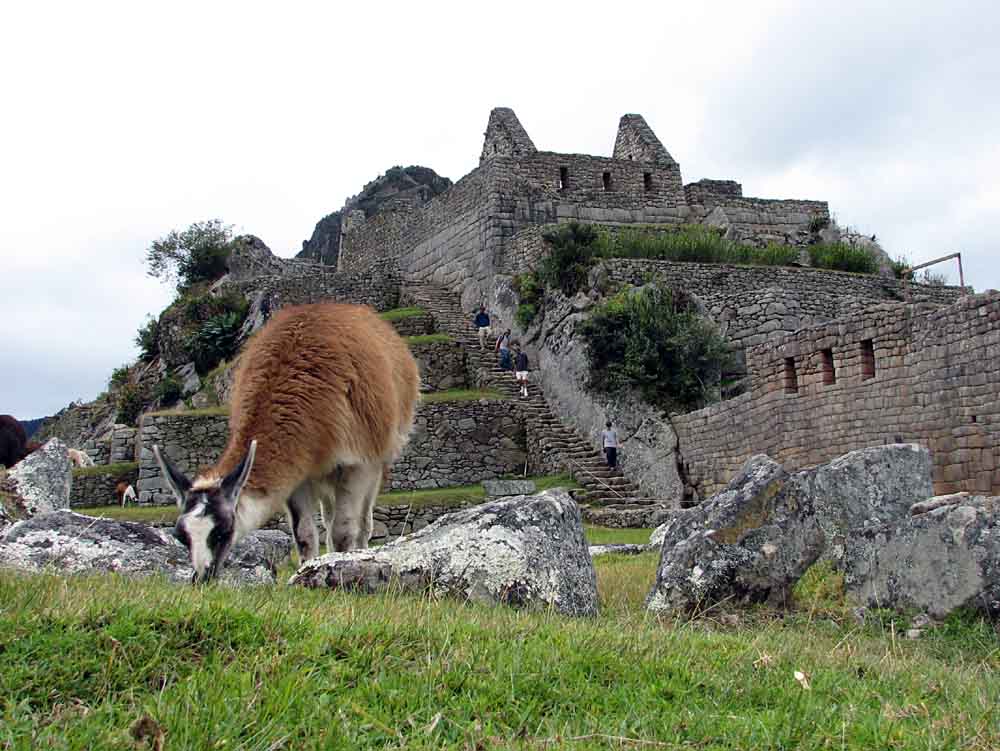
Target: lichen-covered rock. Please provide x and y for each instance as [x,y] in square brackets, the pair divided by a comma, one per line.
[944,558]
[755,539]
[71,543]
[617,549]
[526,551]
[40,482]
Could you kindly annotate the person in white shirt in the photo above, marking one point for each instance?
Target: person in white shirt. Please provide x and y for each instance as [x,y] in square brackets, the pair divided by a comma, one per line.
[609,439]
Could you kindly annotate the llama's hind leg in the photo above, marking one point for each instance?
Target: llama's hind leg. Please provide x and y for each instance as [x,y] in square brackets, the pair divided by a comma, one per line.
[325,491]
[356,488]
[301,519]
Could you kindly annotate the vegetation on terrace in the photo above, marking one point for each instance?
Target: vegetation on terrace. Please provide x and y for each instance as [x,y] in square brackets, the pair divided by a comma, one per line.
[97,470]
[399,314]
[653,340]
[460,395]
[418,339]
[104,662]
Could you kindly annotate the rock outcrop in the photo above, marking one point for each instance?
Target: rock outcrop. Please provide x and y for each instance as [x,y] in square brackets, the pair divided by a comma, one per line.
[526,551]
[40,482]
[946,556]
[70,543]
[754,540]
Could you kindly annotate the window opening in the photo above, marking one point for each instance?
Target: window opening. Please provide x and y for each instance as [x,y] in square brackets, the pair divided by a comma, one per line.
[607,180]
[867,359]
[829,373]
[563,178]
[791,378]
[647,181]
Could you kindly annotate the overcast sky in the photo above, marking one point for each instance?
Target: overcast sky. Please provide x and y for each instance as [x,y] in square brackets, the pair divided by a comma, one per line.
[123,120]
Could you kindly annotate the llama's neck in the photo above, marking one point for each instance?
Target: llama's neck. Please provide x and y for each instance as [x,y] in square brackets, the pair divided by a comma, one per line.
[252,512]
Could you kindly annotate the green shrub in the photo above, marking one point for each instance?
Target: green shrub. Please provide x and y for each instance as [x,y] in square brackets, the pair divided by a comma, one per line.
[130,403]
[188,257]
[530,291]
[818,223]
[148,339]
[653,340]
[168,391]
[842,257]
[573,253]
[202,307]
[119,377]
[215,340]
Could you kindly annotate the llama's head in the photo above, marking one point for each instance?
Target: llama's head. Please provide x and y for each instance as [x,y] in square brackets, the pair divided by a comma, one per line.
[207,523]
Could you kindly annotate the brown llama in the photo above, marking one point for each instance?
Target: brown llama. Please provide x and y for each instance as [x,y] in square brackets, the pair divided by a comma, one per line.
[13,441]
[324,400]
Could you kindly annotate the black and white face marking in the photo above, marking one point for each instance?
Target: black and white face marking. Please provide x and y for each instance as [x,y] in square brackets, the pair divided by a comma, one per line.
[206,528]
[207,523]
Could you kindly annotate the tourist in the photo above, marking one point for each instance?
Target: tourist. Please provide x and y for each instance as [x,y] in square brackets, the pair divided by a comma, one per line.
[482,323]
[503,347]
[609,439]
[521,370]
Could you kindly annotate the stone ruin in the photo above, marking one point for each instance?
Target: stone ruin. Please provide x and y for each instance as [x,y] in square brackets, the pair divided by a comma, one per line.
[832,362]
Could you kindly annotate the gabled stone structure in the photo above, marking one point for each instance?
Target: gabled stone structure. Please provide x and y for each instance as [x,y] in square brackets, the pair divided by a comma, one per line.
[464,236]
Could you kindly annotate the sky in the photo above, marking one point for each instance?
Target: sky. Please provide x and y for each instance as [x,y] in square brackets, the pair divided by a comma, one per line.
[124,120]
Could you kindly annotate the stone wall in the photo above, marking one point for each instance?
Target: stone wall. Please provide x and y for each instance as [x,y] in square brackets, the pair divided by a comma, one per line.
[754,304]
[415,325]
[453,443]
[98,488]
[192,440]
[461,443]
[377,286]
[442,365]
[897,373]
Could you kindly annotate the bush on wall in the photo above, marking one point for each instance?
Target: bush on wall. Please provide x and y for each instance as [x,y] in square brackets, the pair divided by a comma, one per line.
[652,339]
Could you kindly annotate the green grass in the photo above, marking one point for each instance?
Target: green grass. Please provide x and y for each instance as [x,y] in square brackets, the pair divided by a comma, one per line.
[398,314]
[144,514]
[453,496]
[460,395]
[82,659]
[613,536]
[122,468]
[418,339]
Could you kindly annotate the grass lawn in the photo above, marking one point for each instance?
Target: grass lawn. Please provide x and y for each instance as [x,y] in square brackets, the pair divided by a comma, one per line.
[418,339]
[88,663]
[609,536]
[398,314]
[460,395]
[458,495]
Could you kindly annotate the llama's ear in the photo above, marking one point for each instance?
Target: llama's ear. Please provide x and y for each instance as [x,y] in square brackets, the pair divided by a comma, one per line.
[178,483]
[233,483]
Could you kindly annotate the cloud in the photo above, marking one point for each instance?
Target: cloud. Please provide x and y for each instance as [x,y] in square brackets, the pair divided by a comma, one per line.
[139,118]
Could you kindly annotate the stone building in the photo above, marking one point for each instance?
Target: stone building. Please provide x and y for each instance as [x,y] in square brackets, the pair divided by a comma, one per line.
[468,233]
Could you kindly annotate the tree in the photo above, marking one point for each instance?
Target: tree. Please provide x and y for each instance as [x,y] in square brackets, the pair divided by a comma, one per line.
[198,254]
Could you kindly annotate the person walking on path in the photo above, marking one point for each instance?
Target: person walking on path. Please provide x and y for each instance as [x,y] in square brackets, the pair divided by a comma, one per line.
[609,439]
[521,370]
[503,347]
[482,324]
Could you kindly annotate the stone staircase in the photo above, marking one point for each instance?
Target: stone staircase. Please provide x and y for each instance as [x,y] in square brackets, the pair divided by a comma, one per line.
[560,445]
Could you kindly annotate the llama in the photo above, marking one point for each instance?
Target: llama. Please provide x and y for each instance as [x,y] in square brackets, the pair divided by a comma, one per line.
[124,492]
[12,441]
[324,400]
[80,458]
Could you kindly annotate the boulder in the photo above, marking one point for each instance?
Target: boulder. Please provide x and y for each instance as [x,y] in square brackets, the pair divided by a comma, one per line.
[500,488]
[40,482]
[525,551]
[71,543]
[755,539]
[945,557]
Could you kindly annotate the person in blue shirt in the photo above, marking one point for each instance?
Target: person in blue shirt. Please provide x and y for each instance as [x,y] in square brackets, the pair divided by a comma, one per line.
[482,323]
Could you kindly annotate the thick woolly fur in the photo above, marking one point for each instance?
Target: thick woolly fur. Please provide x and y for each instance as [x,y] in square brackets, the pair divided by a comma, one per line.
[329,393]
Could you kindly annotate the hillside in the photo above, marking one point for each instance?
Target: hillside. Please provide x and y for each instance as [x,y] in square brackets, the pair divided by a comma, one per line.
[407,183]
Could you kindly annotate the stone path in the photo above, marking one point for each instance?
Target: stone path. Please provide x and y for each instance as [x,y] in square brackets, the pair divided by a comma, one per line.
[602,486]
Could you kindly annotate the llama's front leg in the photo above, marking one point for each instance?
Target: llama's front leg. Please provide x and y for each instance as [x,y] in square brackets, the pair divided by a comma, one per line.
[325,491]
[301,519]
[356,489]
